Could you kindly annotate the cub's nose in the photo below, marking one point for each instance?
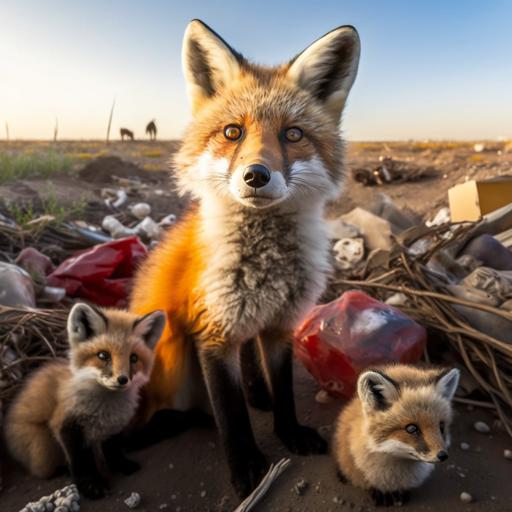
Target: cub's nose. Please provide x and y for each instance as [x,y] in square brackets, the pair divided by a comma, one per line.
[256,175]
[122,380]
[442,456]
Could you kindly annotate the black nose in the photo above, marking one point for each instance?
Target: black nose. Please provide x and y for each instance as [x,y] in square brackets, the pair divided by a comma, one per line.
[442,456]
[122,379]
[256,175]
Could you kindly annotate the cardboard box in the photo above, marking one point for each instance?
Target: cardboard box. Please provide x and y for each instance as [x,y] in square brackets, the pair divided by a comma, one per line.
[472,200]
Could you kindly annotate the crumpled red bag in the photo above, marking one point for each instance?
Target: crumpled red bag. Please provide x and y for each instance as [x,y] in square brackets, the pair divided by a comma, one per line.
[102,274]
[338,340]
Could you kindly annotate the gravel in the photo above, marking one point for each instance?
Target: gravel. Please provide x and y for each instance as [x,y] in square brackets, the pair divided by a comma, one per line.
[482,427]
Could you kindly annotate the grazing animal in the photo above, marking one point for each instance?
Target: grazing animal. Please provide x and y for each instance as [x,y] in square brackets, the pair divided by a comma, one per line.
[70,411]
[126,133]
[151,130]
[391,434]
[262,156]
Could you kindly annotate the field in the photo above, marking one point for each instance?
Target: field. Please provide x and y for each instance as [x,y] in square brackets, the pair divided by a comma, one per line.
[188,473]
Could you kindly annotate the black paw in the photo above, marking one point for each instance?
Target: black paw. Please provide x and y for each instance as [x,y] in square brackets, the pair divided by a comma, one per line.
[341,477]
[303,441]
[258,395]
[388,499]
[127,467]
[247,474]
[93,488]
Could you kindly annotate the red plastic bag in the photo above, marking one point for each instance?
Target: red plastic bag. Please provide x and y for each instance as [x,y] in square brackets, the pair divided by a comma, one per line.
[340,339]
[102,274]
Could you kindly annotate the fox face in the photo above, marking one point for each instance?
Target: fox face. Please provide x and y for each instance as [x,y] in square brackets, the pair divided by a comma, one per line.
[112,348]
[411,418]
[261,137]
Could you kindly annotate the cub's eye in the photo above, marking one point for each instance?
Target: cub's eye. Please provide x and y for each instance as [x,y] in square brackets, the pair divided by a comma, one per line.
[232,132]
[134,358]
[103,355]
[412,429]
[442,427]
[293,134]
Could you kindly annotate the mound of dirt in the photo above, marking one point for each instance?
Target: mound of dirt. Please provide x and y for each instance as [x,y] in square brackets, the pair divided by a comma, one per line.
[101,170]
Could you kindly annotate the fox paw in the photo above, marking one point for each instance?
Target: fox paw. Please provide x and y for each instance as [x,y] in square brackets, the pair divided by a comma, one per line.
[341,477]
[93,488]
[388,499]
[258,395]
[247,474]
[303,441]
[127,467]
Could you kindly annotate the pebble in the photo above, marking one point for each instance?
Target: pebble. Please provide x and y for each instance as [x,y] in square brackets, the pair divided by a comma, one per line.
[338,500]
[162,506]
[466,497]
[300,487]
[171,466]
[133,501]
[323,397]
[482,427]
[464,446]
[507,454]
[141,210]
[202,494]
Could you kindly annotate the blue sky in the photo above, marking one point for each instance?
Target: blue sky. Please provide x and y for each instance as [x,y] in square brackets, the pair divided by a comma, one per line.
[429,69]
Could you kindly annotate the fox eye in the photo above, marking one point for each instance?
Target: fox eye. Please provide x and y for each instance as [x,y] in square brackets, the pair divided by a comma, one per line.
[103,355]
[442,427]
[134,358]
[412,429]
[293,134]
[232,132]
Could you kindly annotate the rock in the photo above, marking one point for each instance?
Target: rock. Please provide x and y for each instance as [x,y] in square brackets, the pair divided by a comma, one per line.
[464,446]
[397,299]
[479,147]
[141,210]
[348,252]
[163,506]
[300,487]
[375,231]
[133,501]
[466,497]
[16,287]
[507,454]
[323,397]
[482,427]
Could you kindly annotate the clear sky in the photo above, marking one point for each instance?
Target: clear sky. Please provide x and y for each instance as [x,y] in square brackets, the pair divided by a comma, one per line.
[429,69]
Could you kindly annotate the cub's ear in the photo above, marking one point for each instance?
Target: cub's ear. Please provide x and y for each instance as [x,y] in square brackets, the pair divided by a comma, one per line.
[209,63]
[328,68]
[376,390]
[150,327]
[447,383]
[85,322]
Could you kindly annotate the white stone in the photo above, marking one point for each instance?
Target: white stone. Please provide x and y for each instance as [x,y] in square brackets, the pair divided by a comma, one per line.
[141,210]
[466,497]
[482,427]
[133,501]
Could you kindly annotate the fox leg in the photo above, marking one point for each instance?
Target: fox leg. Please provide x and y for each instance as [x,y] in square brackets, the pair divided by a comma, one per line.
[246,463]
[277,358]
[115,457]
[82,463]
[255,386]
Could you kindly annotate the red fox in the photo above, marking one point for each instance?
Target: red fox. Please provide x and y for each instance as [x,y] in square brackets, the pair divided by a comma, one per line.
[389,437]
[261,158]
[71,410]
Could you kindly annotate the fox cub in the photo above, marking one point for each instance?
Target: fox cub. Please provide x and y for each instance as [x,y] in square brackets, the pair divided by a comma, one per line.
[71,410]
[391,434]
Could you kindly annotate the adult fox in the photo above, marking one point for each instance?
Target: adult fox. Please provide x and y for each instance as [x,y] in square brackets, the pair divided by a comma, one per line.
[261,157]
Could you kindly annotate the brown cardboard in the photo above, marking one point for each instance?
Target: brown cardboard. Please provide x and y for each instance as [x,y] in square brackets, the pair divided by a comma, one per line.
[471,200]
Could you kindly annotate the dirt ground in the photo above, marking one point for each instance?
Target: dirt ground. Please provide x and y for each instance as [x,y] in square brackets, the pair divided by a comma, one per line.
[188,473]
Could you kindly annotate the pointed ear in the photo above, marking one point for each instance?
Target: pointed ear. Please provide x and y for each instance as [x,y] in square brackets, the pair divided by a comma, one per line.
[376,390]
[150,327]
[209,63]
[447,383]
[85,322]
[328,68]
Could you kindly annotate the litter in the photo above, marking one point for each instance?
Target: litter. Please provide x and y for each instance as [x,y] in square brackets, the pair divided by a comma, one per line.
[16,287]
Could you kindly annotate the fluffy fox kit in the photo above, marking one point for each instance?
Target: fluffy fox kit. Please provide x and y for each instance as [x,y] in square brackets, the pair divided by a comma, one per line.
[389,437]
[70,411]
[261,157]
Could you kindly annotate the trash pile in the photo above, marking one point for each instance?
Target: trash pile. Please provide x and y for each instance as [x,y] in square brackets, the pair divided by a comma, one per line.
[453,278]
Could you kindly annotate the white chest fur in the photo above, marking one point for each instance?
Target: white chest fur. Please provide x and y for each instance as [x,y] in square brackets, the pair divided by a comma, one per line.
[265,268]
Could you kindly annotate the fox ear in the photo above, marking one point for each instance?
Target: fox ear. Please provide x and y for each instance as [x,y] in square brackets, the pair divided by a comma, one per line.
[150,327]
[85,322]
[209,63]
[447,383]
[376,390]
[328,68]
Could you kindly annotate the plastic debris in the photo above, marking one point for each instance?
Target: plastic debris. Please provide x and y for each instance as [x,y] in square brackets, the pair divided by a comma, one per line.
[102,274]
[338,229]
[168,220]
[149,228]
[16,286]
[141,210]
[116,228]
[466,497]
[375,231]
[35,263]
[338,340]
[441,217]
[348,252]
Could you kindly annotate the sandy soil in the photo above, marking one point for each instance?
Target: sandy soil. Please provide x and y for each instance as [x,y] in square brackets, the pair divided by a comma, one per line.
[188,473]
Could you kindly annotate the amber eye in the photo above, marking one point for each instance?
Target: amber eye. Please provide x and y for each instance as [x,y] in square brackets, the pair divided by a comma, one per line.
[412,429]
[134,358]
[232,132]
[293,134]
[103,355]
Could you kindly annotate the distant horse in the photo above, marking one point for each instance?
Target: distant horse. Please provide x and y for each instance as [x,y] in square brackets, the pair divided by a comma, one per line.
[126,133]
[151,130]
